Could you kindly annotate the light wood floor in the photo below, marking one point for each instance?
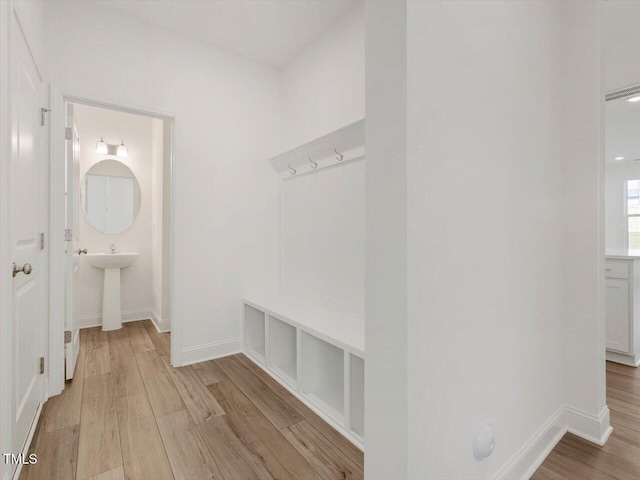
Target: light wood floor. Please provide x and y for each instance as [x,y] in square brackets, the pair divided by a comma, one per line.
[129,414]
[619,459]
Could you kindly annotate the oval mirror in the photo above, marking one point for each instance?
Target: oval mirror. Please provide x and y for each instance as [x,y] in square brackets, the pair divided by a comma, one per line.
[110,196]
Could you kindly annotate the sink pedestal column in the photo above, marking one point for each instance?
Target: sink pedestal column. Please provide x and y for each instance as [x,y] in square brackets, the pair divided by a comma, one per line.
[111,304]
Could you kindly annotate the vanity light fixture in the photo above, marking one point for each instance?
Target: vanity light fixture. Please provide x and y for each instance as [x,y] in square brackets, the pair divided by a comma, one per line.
[101,147]
[619,158]
[634,99]
[122,150]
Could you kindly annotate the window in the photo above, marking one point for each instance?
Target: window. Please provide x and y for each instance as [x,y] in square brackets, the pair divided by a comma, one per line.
[633,213]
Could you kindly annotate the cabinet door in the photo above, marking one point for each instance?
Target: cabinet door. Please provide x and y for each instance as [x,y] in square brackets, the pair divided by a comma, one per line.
[618,315]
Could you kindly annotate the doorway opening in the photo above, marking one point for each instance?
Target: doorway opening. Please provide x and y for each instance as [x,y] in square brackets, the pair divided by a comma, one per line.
[117,220]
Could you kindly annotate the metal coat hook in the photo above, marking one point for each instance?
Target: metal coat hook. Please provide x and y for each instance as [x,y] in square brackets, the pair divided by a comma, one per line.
[293,170]
[314,165]
[340,156]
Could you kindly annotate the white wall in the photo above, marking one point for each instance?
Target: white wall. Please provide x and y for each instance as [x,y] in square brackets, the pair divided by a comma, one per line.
[161,222]
[136,131]
[497,118]
[322,238]
[386,242]
[582,152]
[156,215]
[323,86]
[225,218]
[485,231]
[323,216]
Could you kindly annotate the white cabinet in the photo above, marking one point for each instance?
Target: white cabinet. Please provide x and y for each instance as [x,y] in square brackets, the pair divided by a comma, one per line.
[618,298]
[622,309]
[316,354]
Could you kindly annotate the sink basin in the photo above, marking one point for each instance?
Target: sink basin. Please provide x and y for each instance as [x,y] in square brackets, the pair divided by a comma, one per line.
[111,304]
[111,260]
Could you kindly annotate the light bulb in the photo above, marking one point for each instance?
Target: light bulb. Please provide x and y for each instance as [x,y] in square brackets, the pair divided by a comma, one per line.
[122,150]
[101,147]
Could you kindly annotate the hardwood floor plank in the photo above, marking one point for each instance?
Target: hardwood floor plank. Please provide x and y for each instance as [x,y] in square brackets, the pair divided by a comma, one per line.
[623,382]
[623,407]
[278,456]
[195,395]
[623,369]
[594,456]
[98,359]
[325,457]
[573,469]
[163,395]
[209,372]
[63,410]
[99,448]
[124,368]
[57,455]
[188,453]
[142,448]
[624,443]
[115,474]
[629,421]
[140,341]
[274,408]
[623,395]
[305,412]
[233,457]
[544,473]
[162,341]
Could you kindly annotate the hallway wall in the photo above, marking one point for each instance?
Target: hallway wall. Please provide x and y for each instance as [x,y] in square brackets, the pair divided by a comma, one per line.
[227,112]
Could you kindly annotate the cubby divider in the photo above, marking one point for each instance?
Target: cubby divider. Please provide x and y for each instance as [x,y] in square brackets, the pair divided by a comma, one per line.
[357,395]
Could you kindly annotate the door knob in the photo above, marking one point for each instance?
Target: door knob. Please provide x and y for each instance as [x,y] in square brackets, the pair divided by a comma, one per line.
[26,269]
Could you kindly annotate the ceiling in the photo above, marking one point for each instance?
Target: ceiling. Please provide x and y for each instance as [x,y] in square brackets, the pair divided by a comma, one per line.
[268,31]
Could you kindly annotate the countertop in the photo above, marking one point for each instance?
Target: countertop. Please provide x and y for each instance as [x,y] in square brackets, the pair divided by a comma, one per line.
[622,254]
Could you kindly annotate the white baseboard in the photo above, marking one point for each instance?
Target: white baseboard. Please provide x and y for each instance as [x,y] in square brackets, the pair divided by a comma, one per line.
[566,419]
[631,360]
[591,428]
[88,321]
[210,351]
[162,326]
[527,460]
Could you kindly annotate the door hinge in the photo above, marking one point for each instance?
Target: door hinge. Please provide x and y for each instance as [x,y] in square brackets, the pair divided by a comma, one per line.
[67,235]
[42,241]
[68,133]
[41,365]
[43,116]
[67,336]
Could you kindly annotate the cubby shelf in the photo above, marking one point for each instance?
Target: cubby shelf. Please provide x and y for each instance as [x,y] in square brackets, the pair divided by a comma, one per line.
[302,347]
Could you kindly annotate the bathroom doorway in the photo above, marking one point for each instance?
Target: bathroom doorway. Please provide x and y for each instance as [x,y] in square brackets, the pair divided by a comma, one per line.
[116,255]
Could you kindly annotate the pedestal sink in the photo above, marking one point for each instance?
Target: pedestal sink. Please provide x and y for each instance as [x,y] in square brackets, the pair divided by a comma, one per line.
[111,304]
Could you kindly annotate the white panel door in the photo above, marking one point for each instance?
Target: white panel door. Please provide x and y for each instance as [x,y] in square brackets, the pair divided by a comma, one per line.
[27,322]
[617,304]
[72,146]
